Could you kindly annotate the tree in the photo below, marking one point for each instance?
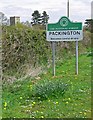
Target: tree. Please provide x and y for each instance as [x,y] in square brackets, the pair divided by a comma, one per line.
[27,23]
[89,24]
[45,18]
[36,18]
[3,19]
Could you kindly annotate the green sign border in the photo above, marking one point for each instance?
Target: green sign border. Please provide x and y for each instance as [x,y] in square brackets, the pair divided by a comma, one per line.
[64,24]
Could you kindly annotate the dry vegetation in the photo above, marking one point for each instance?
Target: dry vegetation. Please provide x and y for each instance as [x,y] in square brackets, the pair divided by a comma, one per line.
[27,50]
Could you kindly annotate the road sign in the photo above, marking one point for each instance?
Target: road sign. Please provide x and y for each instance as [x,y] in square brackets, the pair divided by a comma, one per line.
[64,30]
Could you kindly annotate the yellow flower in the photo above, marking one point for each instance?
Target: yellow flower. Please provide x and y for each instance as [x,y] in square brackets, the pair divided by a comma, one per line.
[41,112]
[20,97]
[34,103]
[42,116]
[38,97]
[5,104]
[4,108]
[56,102]
[48,100]
[30,86]
[85,113]
[80,112]
[66,102]
[69,98]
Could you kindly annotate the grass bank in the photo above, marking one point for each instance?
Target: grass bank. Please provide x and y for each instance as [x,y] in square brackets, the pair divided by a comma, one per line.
[21,101]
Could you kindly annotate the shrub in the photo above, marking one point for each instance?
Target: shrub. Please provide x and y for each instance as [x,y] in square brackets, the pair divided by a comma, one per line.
[23,46]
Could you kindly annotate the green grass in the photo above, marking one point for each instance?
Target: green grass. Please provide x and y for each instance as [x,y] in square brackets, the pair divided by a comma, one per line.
[19,101]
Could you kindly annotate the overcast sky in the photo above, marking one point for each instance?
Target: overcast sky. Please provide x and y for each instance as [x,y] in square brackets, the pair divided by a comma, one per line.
[79,9]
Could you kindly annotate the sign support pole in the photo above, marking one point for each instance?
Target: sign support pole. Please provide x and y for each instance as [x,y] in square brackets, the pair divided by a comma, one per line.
[64,30]
[68,8]
[53,57]
[76,42]
[77,57]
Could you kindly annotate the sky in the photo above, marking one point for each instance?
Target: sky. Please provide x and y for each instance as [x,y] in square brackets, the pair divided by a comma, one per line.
[80,10]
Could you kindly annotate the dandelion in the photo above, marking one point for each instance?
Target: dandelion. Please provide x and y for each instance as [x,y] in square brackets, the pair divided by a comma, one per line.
[42,116]
[41,112]
[30,86]
[56,102]
[69,98]
[85,113]
[38,97]
[48,100]
[5,104]
[4,108]
[80,112]
[21,98]
[34,103]
[66,102]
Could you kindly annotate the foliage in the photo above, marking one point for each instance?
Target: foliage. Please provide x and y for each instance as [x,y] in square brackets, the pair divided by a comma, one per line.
[37,18]
[3,19]
[48,89]
[27,23]
[89,23]
[45,18]
[22,45]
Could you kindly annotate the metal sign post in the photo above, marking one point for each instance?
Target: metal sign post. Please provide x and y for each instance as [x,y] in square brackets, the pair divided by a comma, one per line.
[64,30]
[68,8]
[76,42]
[76,57]
[53,57]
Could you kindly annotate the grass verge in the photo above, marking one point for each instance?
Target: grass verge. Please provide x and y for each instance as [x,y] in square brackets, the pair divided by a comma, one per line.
[22,99]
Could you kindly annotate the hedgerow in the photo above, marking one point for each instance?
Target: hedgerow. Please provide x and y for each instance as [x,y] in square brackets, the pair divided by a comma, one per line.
[24,46]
